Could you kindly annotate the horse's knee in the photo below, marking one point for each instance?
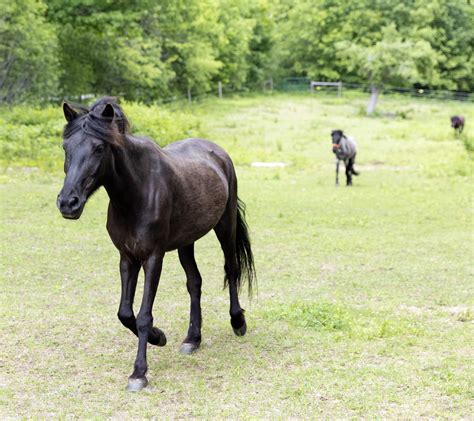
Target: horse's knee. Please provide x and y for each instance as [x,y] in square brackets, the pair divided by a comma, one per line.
[126,317]
[144,323]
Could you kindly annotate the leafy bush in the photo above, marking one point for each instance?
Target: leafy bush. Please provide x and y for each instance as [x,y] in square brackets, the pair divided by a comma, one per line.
[161,124]
[32,136]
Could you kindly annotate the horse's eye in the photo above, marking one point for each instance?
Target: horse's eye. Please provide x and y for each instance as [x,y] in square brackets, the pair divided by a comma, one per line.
[99,149]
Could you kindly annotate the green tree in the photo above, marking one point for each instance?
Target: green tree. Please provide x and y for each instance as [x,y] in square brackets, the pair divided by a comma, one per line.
[448,27]
[189,31]
[28,52]
[261,47]
[309,32]
[233,45]
[109,47]
[391,61]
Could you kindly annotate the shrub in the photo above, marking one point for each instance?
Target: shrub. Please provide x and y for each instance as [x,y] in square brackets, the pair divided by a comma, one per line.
[31,137]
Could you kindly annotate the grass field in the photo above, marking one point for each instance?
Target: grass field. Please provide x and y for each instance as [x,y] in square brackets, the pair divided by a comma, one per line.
[365,304]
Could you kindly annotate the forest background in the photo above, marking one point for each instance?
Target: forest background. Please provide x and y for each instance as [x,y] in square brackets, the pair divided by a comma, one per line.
[149,50]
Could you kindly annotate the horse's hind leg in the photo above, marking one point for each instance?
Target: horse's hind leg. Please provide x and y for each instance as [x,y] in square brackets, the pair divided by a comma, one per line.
[348,164]
[352,161]
[337,172]
[193,282]
[226,231]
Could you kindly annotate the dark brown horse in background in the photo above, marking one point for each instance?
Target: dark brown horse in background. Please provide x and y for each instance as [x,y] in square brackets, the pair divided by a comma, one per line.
[160,200]
[457,123]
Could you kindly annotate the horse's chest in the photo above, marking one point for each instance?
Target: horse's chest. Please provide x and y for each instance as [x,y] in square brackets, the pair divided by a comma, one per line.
[133,238]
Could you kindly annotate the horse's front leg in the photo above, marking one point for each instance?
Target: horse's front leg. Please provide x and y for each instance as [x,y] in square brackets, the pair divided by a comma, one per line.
[152,268]
[337,171]
[129,269]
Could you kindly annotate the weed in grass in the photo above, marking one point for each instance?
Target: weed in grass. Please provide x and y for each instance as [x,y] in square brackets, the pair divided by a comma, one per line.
[397,327]
[318,316]
[468,141]
[465,316]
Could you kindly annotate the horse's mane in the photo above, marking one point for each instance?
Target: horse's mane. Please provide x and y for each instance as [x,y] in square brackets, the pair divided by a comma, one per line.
[91,121]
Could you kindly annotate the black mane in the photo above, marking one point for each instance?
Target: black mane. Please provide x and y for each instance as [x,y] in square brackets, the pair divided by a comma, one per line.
[91,121]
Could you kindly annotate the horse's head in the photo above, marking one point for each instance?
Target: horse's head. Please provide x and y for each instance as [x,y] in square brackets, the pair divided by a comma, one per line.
[336,136]
[89,137]
[457,121]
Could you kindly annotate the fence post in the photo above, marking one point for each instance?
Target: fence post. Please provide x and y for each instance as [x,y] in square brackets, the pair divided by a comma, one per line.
[339,89]
[189,95]
[219,87]
[269,83]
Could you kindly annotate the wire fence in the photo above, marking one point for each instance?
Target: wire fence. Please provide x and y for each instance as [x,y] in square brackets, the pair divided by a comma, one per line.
[302,85]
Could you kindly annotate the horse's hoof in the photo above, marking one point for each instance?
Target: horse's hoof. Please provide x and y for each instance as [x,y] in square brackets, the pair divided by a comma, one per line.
[188,348]
[241,330]
[159,337]
[135,385]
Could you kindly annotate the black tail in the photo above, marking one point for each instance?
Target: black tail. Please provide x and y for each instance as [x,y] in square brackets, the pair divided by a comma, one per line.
[354,171]
[245,264]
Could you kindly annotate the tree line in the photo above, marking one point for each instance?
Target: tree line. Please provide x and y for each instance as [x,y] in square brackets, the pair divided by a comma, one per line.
[150,49]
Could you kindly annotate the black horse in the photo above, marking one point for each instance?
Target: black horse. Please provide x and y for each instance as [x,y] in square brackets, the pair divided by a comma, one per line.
[345,149]
[457,123]
[160,200]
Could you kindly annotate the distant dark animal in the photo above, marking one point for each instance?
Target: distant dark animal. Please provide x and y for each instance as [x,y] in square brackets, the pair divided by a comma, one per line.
[457,123]
[344,148]
[160,200]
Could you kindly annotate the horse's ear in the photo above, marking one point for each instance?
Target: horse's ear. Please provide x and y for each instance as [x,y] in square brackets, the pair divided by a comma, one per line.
[108,112]
[69,113]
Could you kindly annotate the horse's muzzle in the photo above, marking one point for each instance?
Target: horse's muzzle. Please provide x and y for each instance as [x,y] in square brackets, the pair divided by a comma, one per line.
[71,206]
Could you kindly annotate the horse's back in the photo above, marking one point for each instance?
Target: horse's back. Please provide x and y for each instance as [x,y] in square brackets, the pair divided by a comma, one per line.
[196,152]
[352,142]
[348,148]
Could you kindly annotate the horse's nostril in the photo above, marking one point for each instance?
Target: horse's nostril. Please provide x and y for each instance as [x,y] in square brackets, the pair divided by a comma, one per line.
[73,202]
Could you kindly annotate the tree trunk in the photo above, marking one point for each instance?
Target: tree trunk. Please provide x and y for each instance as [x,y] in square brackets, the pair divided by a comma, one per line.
[373,99]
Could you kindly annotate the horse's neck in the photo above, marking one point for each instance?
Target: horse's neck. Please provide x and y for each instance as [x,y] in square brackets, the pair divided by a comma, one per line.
[127,175]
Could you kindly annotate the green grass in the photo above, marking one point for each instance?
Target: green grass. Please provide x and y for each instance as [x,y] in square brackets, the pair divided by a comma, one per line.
[365,301]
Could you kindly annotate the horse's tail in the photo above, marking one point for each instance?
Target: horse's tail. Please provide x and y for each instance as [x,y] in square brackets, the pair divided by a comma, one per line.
[354,172]
[244,255]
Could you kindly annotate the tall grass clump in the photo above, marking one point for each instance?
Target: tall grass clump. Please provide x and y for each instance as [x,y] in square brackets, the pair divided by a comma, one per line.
[321,316]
